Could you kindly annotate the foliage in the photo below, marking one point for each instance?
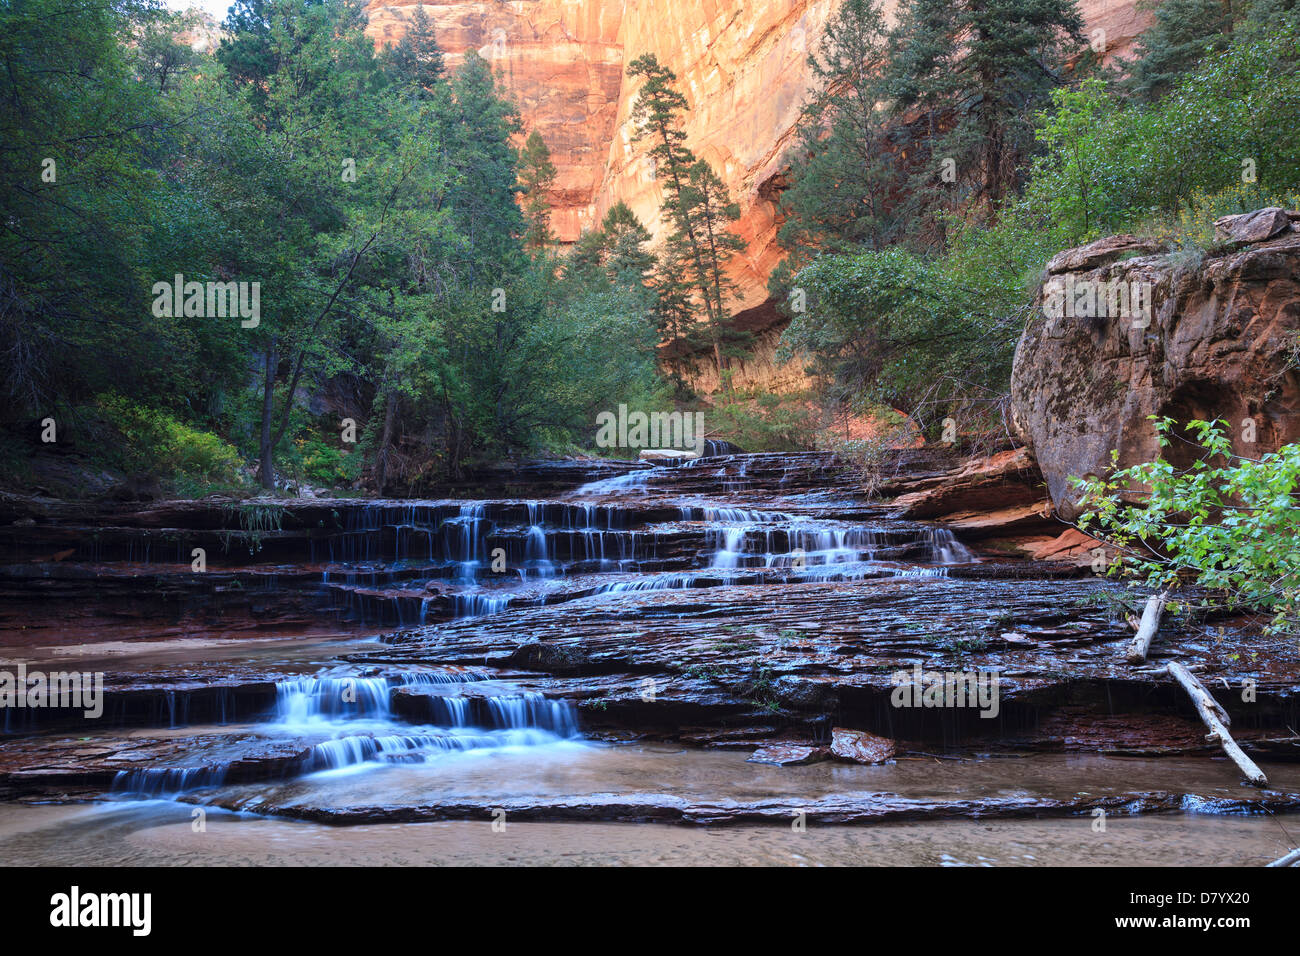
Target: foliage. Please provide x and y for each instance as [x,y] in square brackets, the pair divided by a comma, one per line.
[373,197]
[759,420]
[930,336]
[842,173]
[1111,164]
[976,70]
[697,207]
[150,440]
[1226,523]
[536,177]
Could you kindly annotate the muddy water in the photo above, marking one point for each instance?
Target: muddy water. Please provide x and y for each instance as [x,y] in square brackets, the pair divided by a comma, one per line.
[569,773]
[164,834]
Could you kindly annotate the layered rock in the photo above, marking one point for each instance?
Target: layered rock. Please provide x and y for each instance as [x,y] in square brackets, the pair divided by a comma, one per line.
[1219,342]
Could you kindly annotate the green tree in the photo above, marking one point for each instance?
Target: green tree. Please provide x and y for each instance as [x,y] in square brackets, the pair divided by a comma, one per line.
[305,208]
[536,179]
[696,204]
[843,172]
[1183,33]
[416,60]
[976,70]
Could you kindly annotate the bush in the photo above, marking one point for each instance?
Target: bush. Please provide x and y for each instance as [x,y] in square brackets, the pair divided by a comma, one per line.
[1223,130]
[326,464]
[156,443]
[762,421]
[1226,523]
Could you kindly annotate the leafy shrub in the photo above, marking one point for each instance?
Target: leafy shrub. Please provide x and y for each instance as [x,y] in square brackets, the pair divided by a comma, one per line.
[1226,523]
[155,442]
[324,463]
[758,420]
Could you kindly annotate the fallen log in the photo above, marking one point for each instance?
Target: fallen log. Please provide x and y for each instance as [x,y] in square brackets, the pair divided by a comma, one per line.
[1216,718]
[1146,632]
[1290,859]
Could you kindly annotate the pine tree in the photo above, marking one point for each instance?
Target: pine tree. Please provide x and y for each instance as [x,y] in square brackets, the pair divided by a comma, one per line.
[975,72]
[536,178]
[842,171]
[416,59]
[1185,31]
[696,204]
[481,120]
[627,261]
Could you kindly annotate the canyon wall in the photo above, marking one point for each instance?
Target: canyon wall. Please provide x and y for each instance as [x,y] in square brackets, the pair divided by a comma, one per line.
[742,67]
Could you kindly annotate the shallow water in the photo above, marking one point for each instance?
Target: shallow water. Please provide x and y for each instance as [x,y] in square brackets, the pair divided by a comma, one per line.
[165,834]
[565,772]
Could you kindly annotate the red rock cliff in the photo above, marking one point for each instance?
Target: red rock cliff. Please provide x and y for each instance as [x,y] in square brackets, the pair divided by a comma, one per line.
[742,67]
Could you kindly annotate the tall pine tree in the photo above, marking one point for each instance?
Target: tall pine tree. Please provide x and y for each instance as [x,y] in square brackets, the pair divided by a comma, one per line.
[696,204]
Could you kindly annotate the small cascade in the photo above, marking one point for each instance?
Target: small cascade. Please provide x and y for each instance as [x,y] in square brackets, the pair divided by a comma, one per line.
[339,695]
[457,723]
[946,549]
[479,603]
[618,484]
[536,554]
[461,711]
[531,710]
[353,751]
[166,782]
[731,551]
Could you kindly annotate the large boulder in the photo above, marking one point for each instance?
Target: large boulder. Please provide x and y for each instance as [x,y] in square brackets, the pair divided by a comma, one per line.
[1257,226]
[1218,342]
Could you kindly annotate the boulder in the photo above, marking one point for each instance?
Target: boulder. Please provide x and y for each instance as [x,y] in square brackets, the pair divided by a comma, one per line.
[858,746]
[789,755]
[666,454]
[1100,253]
[1257,226]
[1218,345]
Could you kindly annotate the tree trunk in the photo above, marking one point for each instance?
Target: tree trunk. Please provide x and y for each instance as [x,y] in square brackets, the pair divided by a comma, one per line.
[1141,646]
[1216,718]
[268,410]
[385,440]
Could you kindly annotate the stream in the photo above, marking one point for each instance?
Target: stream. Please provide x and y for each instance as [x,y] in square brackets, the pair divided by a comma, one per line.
[669,645]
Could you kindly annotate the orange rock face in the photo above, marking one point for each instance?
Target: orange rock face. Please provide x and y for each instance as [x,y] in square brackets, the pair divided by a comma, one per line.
[742,67]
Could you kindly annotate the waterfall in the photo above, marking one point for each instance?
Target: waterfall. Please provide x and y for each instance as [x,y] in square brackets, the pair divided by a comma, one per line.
[478,604]
[730,554]
[160,782]
[348,696]
[946,549]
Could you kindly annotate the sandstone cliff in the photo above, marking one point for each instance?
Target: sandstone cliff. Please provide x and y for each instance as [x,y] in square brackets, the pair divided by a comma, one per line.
[741,66]
[1220,343]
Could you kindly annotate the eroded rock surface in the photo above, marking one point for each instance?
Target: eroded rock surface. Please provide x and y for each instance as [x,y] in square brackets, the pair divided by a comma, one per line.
[1219,343]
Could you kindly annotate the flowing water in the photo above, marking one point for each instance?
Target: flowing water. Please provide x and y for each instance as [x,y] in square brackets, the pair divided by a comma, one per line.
[437,733]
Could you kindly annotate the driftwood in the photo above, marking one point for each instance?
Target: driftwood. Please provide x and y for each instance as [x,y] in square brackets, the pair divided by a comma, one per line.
[1217,719]
[1146,632]
[1291,859]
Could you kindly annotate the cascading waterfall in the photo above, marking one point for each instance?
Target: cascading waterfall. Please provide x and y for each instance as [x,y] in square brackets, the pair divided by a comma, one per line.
[946,549]
[341,694]
[433,561]
[462,714]
[429,561]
